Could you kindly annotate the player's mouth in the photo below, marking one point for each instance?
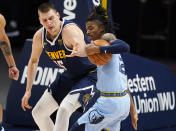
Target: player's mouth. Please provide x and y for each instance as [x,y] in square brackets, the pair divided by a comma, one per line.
[90,37]
[50,28]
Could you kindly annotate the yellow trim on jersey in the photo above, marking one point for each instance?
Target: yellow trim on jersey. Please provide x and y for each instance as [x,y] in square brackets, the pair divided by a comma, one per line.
[113,96]
[112,92]
[106,129]
[92,71]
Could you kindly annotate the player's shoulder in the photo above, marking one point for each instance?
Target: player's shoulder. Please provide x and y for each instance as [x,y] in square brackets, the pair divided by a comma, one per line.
[69,25]
[38,33]
[2,21]
[37,38]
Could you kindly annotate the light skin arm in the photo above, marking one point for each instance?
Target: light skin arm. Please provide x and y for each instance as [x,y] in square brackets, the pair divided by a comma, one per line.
[74,38]
[6,50]
[32,67]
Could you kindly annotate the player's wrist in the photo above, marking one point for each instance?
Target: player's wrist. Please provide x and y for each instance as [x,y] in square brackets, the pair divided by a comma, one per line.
[12,66]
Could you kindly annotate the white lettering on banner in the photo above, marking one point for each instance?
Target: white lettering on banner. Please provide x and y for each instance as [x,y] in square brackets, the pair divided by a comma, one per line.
[44,76]
[141,84]
[69,6]
[163,101]
[96,2]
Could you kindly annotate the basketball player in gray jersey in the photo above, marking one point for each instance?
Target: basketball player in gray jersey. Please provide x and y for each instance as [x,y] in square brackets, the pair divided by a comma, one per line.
[113,105]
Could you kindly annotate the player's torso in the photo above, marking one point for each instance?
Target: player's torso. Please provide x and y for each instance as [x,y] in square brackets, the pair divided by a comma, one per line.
[112,76]
[57,51]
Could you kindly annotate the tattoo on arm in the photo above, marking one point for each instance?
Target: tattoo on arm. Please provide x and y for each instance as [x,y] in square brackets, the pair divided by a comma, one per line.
[5,48]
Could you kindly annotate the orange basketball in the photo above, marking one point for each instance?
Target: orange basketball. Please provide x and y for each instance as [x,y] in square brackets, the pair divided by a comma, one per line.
[100,58]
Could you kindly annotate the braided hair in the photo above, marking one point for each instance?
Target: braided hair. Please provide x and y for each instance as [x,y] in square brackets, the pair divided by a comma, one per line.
[100,15]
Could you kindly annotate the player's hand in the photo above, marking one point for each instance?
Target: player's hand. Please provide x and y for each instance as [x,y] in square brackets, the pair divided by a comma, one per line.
[134,119]
[25,99]
[92,49]
[74,51]
[13,73]
[78,51]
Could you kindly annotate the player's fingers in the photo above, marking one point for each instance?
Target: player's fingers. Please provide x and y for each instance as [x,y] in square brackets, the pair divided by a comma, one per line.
[69,55]
[22,105]
[134,125]
[72,54]
[28,106]
[15,77]
[11,74]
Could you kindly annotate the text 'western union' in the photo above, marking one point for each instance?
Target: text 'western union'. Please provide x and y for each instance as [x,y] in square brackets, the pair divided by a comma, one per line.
[56,55]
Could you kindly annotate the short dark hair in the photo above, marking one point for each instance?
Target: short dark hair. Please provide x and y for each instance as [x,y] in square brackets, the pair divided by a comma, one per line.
[45,7]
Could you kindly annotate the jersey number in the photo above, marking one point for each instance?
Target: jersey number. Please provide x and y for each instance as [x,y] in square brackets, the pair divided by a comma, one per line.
[61,64]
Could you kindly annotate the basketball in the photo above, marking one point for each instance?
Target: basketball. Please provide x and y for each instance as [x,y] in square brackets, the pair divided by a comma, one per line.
[100,58]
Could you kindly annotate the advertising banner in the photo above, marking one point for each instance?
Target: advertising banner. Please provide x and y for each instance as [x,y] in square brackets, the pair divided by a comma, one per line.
[78,10]
[152,86]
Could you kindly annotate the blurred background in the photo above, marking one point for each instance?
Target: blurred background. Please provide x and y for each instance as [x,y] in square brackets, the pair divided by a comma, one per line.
[148,26]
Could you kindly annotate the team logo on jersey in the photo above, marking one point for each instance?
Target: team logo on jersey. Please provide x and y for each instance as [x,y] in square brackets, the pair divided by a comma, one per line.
[95,117]
[60,41]
[86,97]
[44,43]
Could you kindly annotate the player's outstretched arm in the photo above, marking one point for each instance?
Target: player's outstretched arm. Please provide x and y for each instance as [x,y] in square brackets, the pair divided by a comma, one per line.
[74,39]
[6,50]
[32,67]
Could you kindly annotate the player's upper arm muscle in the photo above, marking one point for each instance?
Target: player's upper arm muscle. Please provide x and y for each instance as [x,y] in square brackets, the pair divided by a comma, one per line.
[2,22]
[73,34]
[36,46]
[3,36]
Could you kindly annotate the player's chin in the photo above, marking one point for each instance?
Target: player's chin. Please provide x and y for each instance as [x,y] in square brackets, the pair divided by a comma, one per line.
[90,38]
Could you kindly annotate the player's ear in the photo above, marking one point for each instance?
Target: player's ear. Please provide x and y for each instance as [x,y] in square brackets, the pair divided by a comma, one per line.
[102,29]
[39,20]
[58,14]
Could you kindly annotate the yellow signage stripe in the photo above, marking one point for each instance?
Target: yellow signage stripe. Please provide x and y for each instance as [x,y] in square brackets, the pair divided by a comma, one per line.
[104,4]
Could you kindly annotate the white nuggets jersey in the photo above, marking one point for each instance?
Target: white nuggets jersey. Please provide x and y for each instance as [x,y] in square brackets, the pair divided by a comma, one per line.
[112,76]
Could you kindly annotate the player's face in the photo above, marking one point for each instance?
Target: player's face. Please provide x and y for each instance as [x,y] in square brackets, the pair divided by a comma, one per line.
[50,20]
[94,30]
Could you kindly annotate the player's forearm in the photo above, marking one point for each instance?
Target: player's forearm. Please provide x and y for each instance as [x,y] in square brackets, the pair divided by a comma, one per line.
[132,106]
[7,52]
[116,47]
[32,67]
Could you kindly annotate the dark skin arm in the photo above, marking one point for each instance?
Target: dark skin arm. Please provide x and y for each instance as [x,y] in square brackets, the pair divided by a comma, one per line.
[133,113]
